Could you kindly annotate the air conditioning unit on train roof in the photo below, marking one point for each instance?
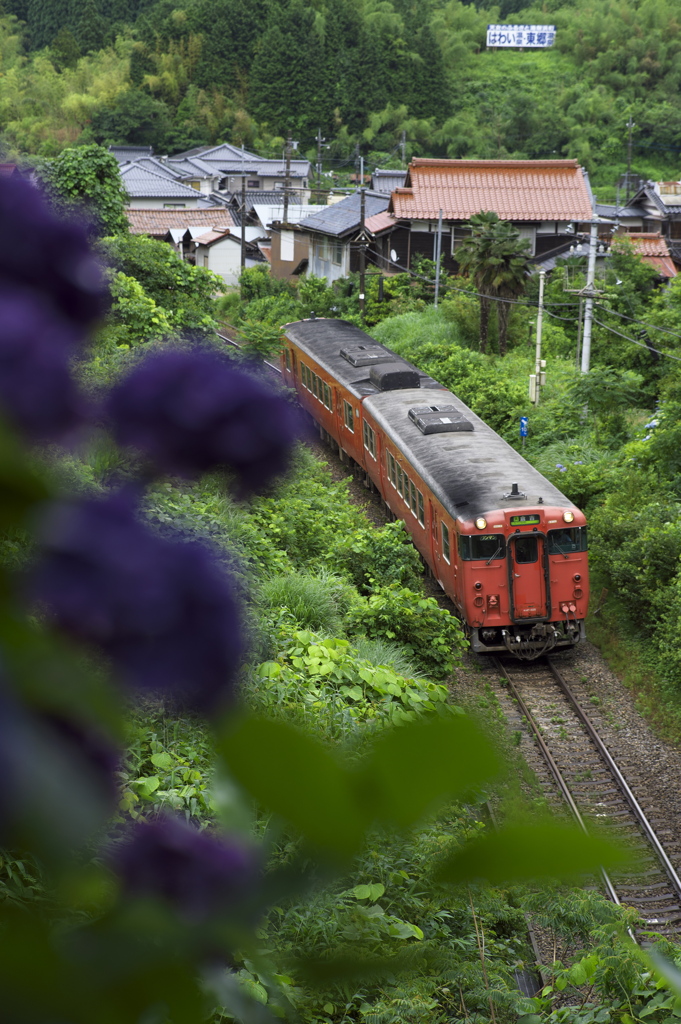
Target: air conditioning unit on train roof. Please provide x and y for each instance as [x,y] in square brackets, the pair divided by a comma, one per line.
[439,419]
[366,355]
[394,376]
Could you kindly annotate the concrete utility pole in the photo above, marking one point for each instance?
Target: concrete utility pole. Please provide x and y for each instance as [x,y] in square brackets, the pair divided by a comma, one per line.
[243,222]
[362,249]
[320,140]
[287,179]
[438,252]
[589,294]
[630,126]
[538,378]
[403,148]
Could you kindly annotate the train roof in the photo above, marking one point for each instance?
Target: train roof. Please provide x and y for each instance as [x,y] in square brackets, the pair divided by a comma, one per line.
[470,471]
[325,339]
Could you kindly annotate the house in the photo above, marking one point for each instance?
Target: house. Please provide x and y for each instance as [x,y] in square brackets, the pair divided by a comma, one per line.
[288,246]
[545,199]
[232,164]
[653,249]
[661,205]
[333,235]
[220,251]
[151,185]
[128,154]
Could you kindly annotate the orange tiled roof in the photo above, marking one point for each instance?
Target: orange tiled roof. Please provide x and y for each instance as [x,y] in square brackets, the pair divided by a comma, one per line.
[210,236]
[158,222]
[379,222]
[654,250]
[518,190]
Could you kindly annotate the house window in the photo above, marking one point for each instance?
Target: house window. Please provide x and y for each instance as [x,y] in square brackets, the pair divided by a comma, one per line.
[348,416]
[286,246]
[369,440]
[337,253]
[252,183]
[174,206]
[421,513]
[445,542]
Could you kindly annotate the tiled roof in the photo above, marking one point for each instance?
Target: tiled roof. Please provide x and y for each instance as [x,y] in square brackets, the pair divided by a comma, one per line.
[387,181]
[192,167]
[217,152]
[141,182]
[619,212]
[210,236]
[342,217]
[158,222]
[517,190]
[150,163]
[124,154]
[379,222]
[654,250]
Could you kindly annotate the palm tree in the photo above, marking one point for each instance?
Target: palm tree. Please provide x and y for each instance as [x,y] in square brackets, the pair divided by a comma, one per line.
[497,259]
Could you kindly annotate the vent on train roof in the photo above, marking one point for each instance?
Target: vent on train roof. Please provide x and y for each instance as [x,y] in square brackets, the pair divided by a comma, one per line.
[439,419]
[394,376]
[366,355]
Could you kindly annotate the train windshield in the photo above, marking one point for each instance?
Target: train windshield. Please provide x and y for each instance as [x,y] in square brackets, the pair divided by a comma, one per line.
[567,540]
[488,546]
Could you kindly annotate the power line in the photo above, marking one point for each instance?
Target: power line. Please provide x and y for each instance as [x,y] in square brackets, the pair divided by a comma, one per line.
[642,323]
[641,344]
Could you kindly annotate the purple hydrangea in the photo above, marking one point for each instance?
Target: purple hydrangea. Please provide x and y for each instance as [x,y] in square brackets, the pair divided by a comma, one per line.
[48,255]
[190,411]
[200,875]
[164,612]
[37,392]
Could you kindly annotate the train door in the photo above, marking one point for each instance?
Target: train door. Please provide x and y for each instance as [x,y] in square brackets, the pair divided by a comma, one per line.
[528,581]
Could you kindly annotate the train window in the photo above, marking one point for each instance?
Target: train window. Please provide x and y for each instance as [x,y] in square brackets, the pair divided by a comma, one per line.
[526,549]
[421,512]
[412,496]
[287,357]
[392,471]
[328,397]
[369,440]
[400,488]
[445,542]
[348,416]
[316,386]
[303,374]
[489,547]
[566,541]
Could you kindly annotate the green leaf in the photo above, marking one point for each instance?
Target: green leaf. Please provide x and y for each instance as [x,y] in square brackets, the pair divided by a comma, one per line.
[368,892]
[298,778]
[413,768]
[667,970]
[162,760]
[519,852]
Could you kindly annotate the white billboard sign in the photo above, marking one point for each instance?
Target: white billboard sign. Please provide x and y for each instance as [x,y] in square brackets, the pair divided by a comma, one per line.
[521,35]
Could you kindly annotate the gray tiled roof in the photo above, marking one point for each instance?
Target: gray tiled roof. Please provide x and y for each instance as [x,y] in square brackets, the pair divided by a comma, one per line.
[387,181]
[192,167]
[343,217]
[141,183]
[124,154]
[223,151]
[612,212]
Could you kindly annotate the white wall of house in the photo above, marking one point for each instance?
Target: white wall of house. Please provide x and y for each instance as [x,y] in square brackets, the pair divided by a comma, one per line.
[329,258]
[164,203]
[223,258]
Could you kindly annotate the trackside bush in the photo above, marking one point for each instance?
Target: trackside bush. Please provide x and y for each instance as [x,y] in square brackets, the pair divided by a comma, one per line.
[383,556]
[424,629]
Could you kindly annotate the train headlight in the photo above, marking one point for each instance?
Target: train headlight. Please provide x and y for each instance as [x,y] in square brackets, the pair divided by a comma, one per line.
[568,516]
[481,523]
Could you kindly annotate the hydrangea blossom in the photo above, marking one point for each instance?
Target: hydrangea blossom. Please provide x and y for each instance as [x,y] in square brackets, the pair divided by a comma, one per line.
[190,411]
[48,255]
[37,392]
[200,875]
[164,612]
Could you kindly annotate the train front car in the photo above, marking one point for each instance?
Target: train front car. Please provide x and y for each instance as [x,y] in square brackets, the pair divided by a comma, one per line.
[507,546]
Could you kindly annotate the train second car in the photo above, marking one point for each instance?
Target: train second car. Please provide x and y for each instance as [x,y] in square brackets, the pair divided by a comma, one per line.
[506,546]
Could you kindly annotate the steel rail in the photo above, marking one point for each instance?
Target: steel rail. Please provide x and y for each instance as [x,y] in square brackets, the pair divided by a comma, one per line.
[556,772]
[636,808]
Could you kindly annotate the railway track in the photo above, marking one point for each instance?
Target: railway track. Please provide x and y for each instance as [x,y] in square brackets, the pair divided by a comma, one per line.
[600,793]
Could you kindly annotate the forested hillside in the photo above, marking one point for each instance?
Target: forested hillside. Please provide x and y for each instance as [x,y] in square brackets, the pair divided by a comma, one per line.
[180,73]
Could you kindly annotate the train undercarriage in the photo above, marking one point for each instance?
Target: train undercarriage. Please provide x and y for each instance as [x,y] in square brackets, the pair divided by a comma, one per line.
[528,641]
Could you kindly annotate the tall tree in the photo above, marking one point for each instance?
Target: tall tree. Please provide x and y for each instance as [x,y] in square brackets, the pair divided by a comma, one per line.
[497,259]
[87,178]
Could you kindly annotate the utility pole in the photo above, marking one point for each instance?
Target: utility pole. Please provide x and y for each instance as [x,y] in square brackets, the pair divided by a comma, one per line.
[362,249]
[630,126]
[287,179]
[243,222]
[438,251]
[403,148]
[538,378]
[589,294]
[320,140]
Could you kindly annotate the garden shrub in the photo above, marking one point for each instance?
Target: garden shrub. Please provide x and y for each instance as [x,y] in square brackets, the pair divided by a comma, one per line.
[426,631]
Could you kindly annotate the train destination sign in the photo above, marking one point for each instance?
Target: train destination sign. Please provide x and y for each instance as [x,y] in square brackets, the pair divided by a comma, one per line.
[525,520]
[521,35]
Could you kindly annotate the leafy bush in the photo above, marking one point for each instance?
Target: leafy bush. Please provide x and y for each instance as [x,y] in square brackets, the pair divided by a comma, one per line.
[380,556]
[426,631]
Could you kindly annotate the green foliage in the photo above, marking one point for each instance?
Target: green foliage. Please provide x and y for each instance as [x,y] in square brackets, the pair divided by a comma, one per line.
[377,556]
[317,601]
[134,313]
[424,629]
[87,178]
[260,339]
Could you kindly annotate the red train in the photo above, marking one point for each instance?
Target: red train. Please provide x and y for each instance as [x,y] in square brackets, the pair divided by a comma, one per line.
[504,544]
